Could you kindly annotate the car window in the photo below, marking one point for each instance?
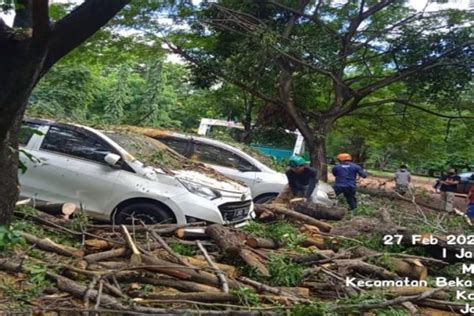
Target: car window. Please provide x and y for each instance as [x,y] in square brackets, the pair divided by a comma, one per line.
[217,156]
[177,144]
[74,143]
[27,130]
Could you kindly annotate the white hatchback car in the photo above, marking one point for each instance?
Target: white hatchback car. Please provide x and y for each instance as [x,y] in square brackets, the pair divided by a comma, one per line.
[233,162]
[98,171]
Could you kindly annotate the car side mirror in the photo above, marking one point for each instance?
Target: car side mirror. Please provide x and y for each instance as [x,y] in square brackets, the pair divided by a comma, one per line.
[112,159]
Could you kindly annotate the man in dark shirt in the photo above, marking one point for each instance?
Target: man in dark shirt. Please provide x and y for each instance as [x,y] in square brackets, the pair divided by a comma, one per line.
[346,175]
[302,181]
[448,187]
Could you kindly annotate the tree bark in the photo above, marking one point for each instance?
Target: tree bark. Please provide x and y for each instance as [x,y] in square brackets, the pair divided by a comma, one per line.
[8,174]
[28,51]
[317,153]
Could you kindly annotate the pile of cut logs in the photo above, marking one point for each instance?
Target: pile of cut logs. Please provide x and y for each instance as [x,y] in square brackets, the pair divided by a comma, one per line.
[116,264]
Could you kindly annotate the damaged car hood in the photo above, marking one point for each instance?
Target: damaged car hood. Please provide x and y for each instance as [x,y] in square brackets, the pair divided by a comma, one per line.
[199,178]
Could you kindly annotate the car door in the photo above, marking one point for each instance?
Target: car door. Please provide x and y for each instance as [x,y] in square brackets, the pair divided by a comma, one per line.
[28,138]
[224,161]
[70,167]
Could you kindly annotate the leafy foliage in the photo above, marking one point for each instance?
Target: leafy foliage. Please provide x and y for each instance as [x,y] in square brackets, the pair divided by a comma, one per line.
[9,238]
[284,272]
[247,296]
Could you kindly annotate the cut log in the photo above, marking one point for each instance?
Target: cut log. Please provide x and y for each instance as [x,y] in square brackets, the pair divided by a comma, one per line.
[259,242]
[253,260]
[346,266]
[442,305]
[415,290]
[232,245]
[229,270]
[261,287]
[164,280]
[114,253]
[296,291]
[98,244]
[49,245]
[410,268]
[320,211]
[184,273]
[280,209]
[109,265]
[196,296]
[225,239]
[78,290]
[63,210]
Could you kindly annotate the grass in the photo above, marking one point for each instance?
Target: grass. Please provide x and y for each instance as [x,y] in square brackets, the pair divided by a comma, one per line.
[184,250]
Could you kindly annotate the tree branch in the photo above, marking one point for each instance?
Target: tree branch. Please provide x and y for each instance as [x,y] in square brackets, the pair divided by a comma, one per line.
[40,20]
[313,17]
[178,50]
[72,30]
[408,104]
[408,72]
[356,21]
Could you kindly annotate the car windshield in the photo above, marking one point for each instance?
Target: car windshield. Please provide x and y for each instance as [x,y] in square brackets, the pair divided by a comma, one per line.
[148,150]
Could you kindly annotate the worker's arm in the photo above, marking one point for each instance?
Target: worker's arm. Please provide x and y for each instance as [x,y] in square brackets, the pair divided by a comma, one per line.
[292,183]
[361,172]
[311,184]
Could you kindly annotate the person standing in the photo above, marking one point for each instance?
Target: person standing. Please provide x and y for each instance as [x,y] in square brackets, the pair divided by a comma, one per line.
[448,187]
[402,180]
[346,175]
[302,181]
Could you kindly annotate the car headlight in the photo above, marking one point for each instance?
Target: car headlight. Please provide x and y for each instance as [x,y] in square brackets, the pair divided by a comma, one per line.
[201,190]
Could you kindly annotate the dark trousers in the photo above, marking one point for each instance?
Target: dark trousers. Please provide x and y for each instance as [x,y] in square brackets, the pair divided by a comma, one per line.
[349,194]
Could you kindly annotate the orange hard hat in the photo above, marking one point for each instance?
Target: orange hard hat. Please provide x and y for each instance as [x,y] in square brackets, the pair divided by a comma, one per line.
[344,157]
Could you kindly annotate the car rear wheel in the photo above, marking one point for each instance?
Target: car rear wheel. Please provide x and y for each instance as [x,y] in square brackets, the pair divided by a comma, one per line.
[265,199]
[145,212]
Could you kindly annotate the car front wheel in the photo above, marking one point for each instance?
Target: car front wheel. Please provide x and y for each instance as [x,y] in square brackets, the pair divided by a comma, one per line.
[148,213]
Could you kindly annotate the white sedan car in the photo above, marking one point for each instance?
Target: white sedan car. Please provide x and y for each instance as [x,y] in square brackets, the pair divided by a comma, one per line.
[233,162]
[121,177]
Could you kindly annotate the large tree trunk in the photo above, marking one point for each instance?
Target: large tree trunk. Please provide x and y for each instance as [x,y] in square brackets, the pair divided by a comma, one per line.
[317,153]
[9,186]
[28,50]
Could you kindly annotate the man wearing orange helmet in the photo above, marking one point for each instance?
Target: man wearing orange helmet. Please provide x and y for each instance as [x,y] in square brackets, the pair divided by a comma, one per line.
[346,174]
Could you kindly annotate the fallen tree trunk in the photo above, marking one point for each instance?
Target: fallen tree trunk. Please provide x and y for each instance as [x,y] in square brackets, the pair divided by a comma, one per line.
[282,210]
[320,211]
[232,245]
